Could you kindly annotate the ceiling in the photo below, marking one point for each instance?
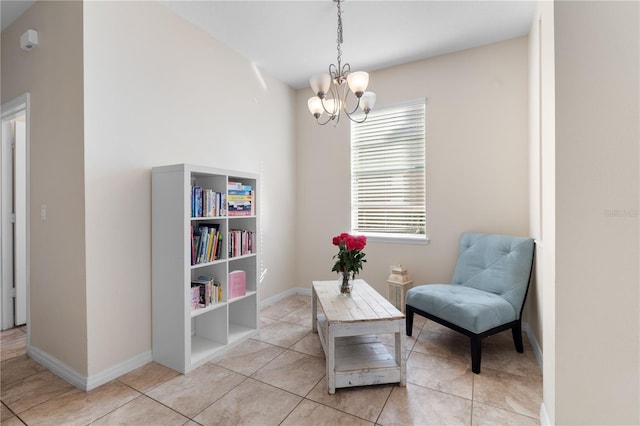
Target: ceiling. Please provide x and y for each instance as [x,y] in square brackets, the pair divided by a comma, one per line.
[292,40]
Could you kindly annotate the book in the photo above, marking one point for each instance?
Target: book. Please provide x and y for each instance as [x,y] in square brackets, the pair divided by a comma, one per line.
[237,283]
[238,186]
[205,292]
[195,296]
[211,287]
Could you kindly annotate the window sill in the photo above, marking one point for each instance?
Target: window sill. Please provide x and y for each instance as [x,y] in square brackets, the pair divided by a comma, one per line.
[419,240]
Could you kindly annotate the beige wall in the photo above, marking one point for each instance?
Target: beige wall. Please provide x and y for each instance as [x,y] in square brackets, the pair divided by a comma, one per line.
[159,91]
[477,162]
[52,73]
[597,348]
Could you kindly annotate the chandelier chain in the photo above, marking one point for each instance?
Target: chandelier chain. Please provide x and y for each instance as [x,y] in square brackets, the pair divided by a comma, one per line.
[339,40]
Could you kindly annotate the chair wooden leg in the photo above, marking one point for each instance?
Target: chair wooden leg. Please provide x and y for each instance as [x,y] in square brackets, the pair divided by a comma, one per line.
[516,330]
[409,319]
[476,354]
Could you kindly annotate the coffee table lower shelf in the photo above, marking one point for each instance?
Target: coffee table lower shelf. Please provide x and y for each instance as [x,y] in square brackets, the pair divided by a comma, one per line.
[360,360]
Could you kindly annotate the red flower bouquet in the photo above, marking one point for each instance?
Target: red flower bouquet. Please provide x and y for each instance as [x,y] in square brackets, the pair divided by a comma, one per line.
[350,256]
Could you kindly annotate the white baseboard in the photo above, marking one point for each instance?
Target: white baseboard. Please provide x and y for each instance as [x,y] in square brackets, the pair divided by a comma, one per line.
[91,382]
[534,343]
[544,416]
[118,370]
[279,297]
[81,381]
[58,367]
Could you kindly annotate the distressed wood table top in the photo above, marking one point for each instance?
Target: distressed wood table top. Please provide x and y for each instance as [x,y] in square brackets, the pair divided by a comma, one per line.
[364,303]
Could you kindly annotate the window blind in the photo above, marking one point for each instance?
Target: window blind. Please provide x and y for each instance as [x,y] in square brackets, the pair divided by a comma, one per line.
[388,172]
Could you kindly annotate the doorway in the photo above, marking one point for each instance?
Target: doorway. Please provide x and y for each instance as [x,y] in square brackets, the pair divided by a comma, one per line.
[14,209]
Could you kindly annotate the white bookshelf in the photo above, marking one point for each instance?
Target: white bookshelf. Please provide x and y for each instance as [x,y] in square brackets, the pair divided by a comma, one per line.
[183,337]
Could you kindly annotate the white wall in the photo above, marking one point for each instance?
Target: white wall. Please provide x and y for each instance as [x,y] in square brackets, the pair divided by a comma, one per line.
[542,195]
[597,332]
[477,162]
[159,91]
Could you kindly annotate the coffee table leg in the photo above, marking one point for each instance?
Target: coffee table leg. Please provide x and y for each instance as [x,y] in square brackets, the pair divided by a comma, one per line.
[331,360]
[400,354]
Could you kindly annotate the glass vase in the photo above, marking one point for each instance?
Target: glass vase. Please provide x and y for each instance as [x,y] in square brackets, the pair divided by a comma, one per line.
[346,283]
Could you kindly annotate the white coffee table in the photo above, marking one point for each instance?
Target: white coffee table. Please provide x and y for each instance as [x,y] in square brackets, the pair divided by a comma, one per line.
[348,329]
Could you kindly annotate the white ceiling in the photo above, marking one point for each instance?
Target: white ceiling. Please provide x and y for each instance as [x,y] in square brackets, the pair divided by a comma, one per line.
[293,40]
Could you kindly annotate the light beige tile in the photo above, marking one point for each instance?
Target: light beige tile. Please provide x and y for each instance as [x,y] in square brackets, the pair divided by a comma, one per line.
[310,413]
[191,393]
[248,357]
[484,415]
[447,375]
[422,406]
[499,353]
[18,368]
[251,403]
[142,411]
[293,371]
[5,414]
[264,321]
[301,316]
[30,391]
[444,345]
[77,407]
[310,345]
[13,342]
[389,340]
[518,394]
[365,402]
[285,307]
[13,421]
[148,376]
[282,334]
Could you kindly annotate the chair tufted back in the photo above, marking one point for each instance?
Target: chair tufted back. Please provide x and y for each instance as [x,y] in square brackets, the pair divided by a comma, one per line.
[499,264]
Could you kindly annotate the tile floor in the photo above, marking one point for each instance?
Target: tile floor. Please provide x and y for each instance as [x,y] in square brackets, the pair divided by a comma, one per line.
[278,378]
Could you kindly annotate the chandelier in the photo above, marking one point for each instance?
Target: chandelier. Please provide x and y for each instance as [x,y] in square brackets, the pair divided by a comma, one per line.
[333,89]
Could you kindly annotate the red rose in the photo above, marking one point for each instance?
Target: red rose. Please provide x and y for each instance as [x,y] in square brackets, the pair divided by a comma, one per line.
[356,243]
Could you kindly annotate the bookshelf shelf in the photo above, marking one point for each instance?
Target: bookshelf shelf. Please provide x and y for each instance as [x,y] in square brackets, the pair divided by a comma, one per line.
[200,311]
[189,227]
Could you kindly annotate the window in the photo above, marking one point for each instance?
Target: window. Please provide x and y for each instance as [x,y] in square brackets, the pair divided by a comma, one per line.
[388,197]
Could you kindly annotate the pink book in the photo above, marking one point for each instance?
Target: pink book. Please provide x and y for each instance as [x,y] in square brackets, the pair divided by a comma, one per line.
[237,284]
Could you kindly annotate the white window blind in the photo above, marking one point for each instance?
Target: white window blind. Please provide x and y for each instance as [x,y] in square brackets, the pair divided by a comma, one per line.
[388,173]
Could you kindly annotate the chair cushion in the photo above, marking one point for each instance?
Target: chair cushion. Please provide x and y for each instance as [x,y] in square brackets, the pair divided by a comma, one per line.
[499,264]
[469,308]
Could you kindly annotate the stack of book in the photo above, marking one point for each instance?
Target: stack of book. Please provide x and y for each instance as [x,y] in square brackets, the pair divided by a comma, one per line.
[206,243]
[207,202]
[204,292]
[240,199]
[240,242]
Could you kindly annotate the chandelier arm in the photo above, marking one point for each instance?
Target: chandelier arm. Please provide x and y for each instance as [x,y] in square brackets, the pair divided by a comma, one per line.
[346,69]
[321,123]
[357,121]
[330,113]
[354,109]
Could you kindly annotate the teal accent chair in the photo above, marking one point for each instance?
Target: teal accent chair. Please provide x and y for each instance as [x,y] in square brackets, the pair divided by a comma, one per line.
[487,294]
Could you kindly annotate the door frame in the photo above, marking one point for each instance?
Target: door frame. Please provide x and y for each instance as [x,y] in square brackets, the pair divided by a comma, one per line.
[10,110]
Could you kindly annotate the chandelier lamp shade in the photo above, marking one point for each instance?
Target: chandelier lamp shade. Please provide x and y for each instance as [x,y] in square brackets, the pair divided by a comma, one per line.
[332,90]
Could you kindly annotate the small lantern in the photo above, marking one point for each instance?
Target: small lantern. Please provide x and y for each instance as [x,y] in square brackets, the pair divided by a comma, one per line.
[397,285]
